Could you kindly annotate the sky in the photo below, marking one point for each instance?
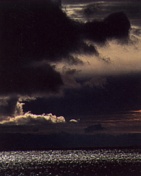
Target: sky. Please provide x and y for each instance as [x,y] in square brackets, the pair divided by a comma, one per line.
[75,64]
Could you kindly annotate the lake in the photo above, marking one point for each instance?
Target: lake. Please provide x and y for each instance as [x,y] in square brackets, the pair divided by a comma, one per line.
[100,162]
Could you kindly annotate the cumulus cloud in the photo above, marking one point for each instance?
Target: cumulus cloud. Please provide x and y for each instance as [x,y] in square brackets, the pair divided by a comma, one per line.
[32,119]
[20,118]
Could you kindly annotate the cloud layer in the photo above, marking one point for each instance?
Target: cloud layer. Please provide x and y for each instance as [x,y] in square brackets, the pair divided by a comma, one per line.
[36,36]
[32,119]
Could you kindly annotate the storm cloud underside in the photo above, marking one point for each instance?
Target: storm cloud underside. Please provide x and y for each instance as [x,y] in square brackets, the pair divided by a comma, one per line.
[38,35]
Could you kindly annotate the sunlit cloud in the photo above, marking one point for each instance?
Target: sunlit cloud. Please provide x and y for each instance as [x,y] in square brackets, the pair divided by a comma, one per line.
[114,58]
[19,117]
[138,111]
[33,119]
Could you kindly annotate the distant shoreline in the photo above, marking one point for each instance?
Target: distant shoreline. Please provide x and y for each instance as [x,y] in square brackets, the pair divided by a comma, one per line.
[138,149]
[36,142]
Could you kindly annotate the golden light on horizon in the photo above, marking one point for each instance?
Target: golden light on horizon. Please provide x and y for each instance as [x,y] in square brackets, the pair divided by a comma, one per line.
[137,111]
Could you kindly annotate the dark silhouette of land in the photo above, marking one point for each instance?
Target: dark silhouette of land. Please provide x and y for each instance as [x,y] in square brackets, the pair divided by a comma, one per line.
[62,141]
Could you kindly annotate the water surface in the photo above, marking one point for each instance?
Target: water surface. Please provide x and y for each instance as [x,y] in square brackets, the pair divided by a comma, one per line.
[71,163]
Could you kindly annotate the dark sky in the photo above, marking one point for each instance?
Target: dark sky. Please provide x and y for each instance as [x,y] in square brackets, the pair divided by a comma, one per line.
[55,64]
[87,69]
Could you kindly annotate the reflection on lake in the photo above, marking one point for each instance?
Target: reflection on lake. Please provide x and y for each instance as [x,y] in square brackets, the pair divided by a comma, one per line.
[71,163]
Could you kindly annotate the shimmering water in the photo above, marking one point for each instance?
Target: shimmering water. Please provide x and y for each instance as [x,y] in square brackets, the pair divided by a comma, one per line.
[71,163]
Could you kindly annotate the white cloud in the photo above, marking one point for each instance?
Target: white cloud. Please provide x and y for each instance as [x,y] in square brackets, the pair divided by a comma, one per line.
[31,119]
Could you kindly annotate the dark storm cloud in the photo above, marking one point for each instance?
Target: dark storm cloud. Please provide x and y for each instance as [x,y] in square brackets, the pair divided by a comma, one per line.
[29,32]
[120,93]
[33,31]
[8,107]
[37,30]
[29,81]
[115,25]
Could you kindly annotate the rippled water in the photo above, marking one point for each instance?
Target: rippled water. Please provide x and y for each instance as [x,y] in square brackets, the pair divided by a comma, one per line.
[71,163]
